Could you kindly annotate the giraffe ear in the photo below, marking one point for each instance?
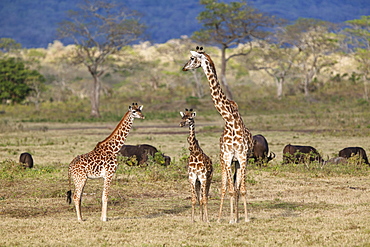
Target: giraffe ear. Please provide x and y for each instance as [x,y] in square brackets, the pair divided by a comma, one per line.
[194,114]
[141,108]
[182,114]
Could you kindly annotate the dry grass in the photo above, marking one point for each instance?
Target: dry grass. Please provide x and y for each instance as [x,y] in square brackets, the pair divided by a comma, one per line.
[150,206]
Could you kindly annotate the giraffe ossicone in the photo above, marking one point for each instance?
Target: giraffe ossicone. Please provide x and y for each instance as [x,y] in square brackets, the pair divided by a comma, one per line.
[101,162]
[236,140]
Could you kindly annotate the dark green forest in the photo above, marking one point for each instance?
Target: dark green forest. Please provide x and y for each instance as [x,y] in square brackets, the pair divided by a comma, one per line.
[33,23]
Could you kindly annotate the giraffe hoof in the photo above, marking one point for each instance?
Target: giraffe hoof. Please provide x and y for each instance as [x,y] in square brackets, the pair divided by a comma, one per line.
[104,219]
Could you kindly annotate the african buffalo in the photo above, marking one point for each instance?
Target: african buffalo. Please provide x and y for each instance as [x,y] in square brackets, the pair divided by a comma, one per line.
[261,150]
[352,151]
[26,159]
[300,154]
[141,152]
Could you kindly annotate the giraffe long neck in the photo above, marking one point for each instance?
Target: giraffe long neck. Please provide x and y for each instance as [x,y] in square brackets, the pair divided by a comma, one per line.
[192,140]
[222,104]
[114,142]
[228,109]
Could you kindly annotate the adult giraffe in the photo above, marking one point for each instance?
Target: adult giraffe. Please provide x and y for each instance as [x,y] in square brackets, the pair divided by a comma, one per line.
[101,162]
[236,141]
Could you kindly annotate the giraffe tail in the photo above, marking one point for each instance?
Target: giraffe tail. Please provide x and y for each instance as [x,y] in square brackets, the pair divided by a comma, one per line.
[69,196]
[69,192]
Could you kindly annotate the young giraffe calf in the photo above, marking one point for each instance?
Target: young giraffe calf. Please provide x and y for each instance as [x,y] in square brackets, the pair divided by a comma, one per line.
[200,168]
[101,162]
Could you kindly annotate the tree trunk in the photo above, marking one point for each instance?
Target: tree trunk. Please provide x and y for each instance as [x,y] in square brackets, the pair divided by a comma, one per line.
[95,97]
[198,85]
[366,95]
[305,87]
[224,84]
[279,87]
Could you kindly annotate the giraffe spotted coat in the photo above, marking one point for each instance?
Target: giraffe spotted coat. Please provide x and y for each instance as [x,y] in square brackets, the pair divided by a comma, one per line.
[200,168]
[101,162]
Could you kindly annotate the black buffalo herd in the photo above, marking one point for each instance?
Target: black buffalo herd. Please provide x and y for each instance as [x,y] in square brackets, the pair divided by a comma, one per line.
[260,154]
[301,154]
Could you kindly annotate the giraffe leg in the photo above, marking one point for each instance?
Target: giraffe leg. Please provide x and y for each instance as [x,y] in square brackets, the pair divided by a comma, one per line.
[241,187]
[77,196]
[237,194]
[199,190]
[193,201]
[204,201]
[107,182]
[227,180]
[194,193]
[232,193]
[243,194]
[232,201]
[207,187]
[244,197]
[223,190]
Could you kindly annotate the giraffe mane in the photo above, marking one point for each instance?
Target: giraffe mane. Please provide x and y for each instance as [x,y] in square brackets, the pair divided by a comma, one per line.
[212,64]
[115,129]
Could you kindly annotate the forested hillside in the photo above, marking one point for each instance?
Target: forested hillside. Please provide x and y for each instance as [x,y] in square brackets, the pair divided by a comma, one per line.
[34,23]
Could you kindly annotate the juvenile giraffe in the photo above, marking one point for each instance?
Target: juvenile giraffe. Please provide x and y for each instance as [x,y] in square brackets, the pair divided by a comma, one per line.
[101,162]
[236,142]
[200,168]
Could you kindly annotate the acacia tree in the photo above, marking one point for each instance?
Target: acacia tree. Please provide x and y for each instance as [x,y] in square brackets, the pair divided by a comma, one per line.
[316,40]
[174,52]
[229,24]
[359,30]
[99,29]
[277,58]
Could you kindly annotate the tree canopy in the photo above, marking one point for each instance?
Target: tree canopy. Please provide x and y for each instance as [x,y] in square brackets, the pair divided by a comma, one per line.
[99,29]
[227,25]
[7,44]
[14,78]
[359,30]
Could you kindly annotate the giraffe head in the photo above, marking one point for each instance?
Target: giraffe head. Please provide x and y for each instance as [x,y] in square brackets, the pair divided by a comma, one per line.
[187,117]
[195,59]
[135,110]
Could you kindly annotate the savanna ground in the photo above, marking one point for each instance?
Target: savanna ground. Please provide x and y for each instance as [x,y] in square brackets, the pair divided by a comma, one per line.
[300,205]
